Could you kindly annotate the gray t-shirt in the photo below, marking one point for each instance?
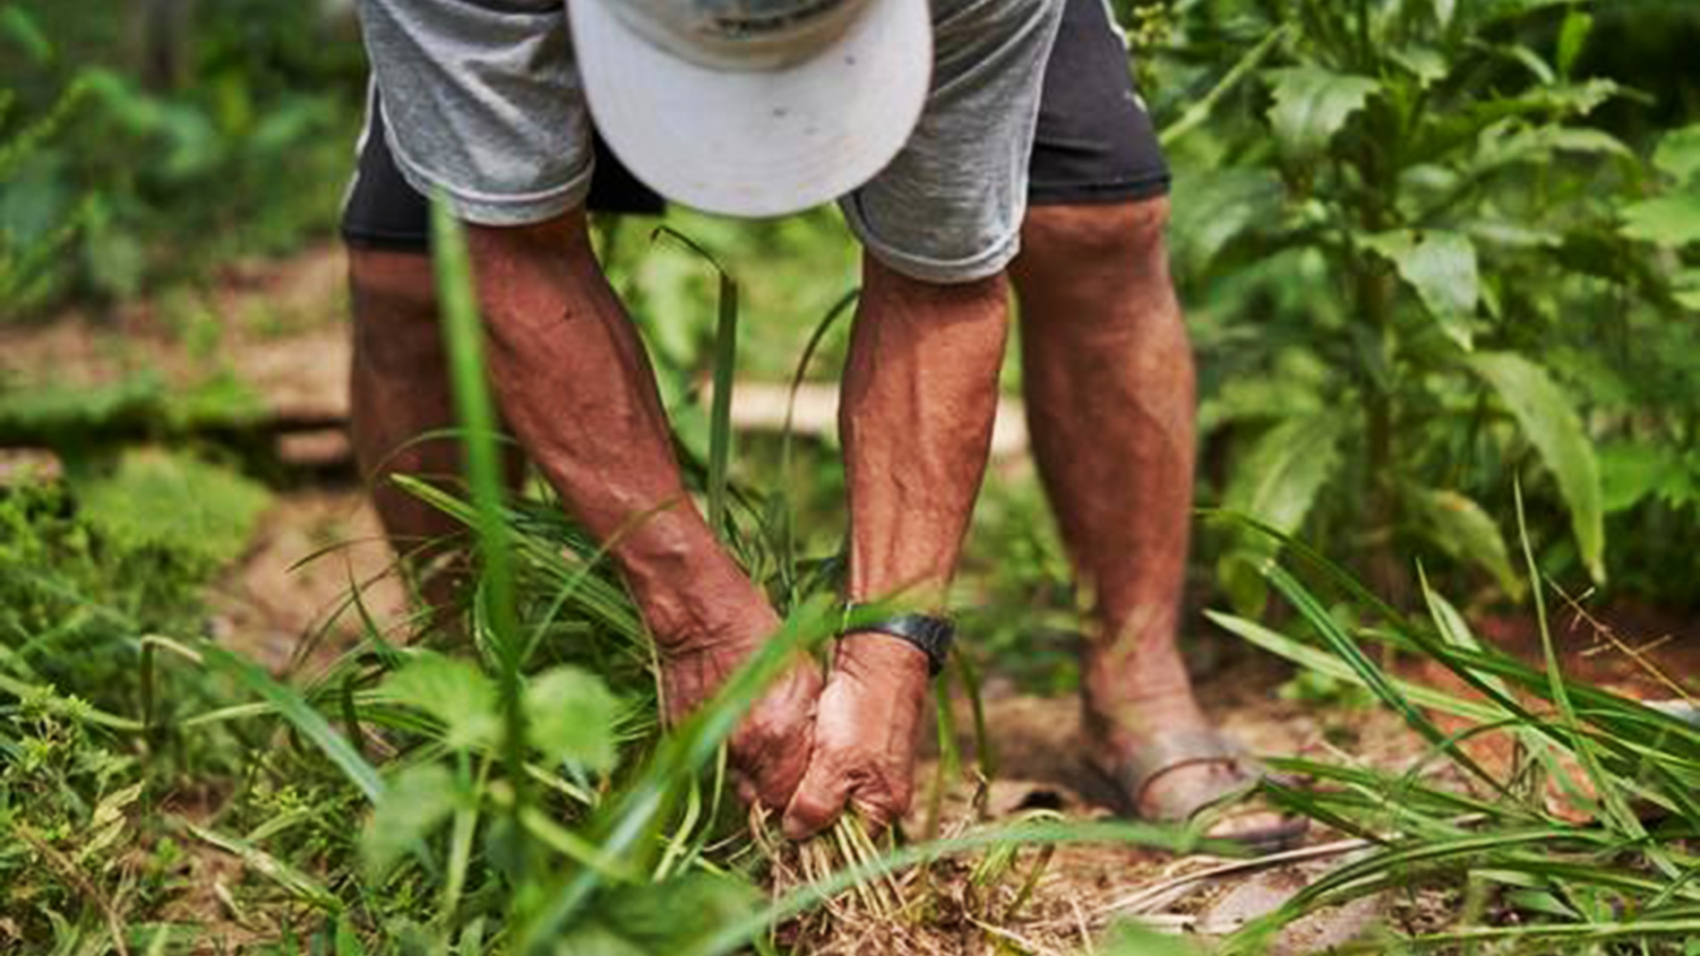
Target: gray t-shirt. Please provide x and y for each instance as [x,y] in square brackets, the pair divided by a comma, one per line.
[481,101]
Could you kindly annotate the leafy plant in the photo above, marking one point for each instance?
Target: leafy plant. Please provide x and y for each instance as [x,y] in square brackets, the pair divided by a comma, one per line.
[80,601]
[1398,248]
[27,251]
[126,174]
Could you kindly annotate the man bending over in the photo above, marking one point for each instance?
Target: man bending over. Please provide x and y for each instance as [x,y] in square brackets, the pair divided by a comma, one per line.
[921,121]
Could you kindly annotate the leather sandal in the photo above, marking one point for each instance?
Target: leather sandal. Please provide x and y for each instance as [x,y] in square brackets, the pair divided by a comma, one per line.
[1173,750]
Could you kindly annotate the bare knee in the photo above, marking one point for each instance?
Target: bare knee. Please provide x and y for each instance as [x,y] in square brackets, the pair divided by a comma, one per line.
[881,283]
[1113,240]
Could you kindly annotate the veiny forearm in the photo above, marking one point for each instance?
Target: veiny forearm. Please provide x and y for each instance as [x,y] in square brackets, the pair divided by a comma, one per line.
[919,398]
[577,387]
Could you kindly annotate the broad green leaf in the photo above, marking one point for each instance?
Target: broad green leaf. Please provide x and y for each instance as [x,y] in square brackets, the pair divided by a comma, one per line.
[571,714]
[1688,288]
[1313,104]
[17,25]
[1552,425]
[455,692]
[1531,61]
[1492,12]
[1427,64]
[1510,142]
[1517,237]
[1572,39]
[661,919]
[1664,220]
[1678,155]
[1459,527]
[1215,207]
[418,800]
[1441,267]
[1630,471]
[1278,480]
[1578,99]
[1292,386]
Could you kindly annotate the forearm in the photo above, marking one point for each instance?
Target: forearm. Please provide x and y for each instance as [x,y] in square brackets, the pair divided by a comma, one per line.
[919,399]
[577,387]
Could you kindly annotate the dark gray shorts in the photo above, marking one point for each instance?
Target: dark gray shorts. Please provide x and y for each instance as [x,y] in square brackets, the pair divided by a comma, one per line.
[1094,144]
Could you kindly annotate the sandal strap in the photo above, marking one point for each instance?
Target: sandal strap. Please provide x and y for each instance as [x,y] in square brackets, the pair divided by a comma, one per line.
[1173,750]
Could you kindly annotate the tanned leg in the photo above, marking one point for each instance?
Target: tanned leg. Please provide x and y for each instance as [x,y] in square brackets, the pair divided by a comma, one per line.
[575,384]
[919,394]
[399,390]
[1109,383]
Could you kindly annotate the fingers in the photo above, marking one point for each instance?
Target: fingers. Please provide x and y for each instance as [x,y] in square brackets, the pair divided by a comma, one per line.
[747,793]
[771,749]
[819,799]
[778,779]
[881,810]
[818,804]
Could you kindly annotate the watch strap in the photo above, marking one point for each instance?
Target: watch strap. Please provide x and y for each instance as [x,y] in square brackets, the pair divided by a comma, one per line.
[932,636]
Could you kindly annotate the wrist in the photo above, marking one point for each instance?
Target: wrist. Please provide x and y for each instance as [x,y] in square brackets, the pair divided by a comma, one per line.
[931,635]
[873,657]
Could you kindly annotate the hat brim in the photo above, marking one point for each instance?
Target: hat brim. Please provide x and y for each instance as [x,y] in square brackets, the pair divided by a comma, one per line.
[762,142]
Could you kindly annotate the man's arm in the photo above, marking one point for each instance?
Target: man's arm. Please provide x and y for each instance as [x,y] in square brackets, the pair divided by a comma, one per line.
[575,384]
[919,397]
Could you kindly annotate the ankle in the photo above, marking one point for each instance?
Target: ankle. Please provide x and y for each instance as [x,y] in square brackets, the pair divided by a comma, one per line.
[1130,716]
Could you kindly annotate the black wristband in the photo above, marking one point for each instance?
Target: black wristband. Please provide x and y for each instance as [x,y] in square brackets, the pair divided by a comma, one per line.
[932,636]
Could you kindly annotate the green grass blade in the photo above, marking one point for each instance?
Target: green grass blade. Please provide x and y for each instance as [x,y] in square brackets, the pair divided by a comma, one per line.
[720,410]
[294,708]
[259,861]
[1398,864]
[724,371]
[602,601]
[1373,677]
[1607,788]
[630,827]
[1325,663]
[735,936]
[464,340]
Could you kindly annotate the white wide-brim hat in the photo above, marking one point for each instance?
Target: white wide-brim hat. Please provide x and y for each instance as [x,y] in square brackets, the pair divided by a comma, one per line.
[758,141]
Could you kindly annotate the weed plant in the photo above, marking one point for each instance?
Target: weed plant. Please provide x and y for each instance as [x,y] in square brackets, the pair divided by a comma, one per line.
[1583,840]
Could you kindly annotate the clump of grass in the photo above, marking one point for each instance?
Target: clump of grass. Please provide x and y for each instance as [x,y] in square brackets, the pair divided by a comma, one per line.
[1610,867]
